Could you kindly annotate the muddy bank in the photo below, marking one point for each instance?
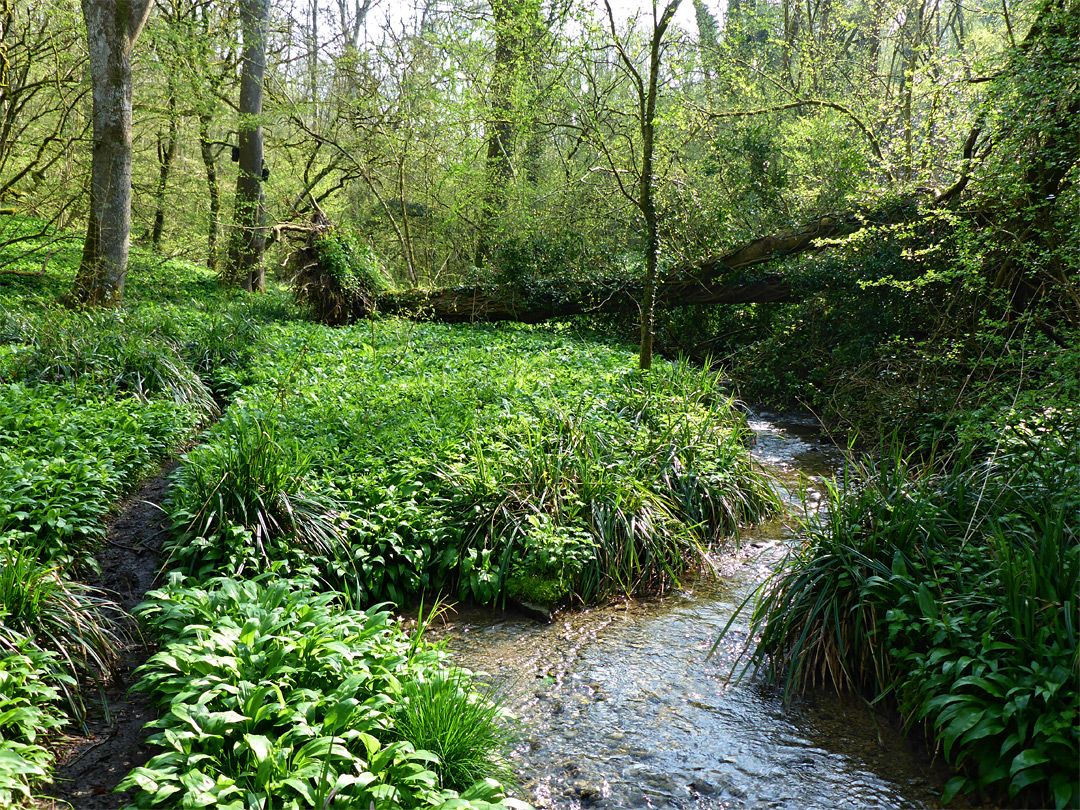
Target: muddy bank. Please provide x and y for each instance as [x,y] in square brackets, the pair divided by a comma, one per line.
[90,766]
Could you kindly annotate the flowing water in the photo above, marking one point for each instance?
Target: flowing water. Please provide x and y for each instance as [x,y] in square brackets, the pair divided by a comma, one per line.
[620,707]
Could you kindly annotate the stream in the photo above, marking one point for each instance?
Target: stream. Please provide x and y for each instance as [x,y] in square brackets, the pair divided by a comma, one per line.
[621,709]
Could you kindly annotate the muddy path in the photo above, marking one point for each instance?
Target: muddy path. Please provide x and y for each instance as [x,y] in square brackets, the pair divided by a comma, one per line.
[90,766]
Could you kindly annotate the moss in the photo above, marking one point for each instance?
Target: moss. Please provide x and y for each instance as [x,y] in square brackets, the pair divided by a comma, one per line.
[538,591]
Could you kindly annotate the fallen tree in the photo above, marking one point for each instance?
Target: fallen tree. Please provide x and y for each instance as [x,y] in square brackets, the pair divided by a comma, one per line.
[717,280]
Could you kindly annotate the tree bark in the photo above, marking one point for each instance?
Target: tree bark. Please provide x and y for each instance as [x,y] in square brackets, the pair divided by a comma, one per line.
[166,151]
[248,242]
[112,27]
[206,149]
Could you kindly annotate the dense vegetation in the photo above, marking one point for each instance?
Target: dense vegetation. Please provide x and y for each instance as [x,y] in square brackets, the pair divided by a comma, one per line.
[362,466]
[884,194]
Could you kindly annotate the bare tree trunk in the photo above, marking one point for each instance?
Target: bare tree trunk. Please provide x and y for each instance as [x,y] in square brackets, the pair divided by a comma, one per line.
[648,202]
[112,27]
[166,150]
[646,91]
[248,241]
[499,128]
[207,151]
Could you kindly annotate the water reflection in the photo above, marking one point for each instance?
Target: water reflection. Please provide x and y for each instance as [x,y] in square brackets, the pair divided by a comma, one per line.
[621,708]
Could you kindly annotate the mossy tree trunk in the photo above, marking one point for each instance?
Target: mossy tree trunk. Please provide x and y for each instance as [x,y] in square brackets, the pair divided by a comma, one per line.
[112,27]
[248,240]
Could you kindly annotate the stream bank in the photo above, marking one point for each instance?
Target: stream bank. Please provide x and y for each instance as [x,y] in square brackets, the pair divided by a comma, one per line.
[620,707]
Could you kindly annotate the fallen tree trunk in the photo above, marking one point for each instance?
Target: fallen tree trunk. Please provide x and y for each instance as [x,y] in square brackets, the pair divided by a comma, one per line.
[542,301]
[713,281]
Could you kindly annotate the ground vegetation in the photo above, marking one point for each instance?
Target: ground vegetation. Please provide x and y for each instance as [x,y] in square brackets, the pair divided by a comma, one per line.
[867,210]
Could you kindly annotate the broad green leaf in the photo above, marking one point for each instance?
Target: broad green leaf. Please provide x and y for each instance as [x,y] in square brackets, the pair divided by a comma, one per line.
[1027,759]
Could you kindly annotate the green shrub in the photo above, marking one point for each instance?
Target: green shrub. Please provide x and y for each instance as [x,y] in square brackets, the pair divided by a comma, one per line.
[67,459]
[274,691]
[338,277]
[439,444]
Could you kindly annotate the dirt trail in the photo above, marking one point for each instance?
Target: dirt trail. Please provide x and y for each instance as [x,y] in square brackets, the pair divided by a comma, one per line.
[89,768]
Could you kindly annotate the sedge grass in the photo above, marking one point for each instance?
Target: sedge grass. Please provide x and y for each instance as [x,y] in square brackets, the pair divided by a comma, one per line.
[42,610]
[452,715]
[950,591]
[246,478]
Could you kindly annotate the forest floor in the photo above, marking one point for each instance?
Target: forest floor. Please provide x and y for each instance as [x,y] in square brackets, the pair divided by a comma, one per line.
[91,765]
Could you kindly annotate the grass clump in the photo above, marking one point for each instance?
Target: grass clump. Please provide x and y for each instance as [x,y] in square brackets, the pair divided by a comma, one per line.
[450,714]
[625,492]
[112,352]
[952,591]
[39,608]
[241,499]
[54,636]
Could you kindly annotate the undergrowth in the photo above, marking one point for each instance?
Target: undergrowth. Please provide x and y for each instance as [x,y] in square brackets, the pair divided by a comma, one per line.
[475,459]
[90,403]
[274,692]
[950,589]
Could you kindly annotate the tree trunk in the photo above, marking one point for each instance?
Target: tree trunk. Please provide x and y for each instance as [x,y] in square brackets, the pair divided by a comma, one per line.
[712,281]
[248,241]
[499,128]
[166,151]
[112,27]
[647,203]
[559,300]
[207,151]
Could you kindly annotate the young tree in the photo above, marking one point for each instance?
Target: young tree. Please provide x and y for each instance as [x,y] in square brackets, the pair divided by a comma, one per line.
[646,88]
[41,65]
[245,264]
[511,19]
[112,27]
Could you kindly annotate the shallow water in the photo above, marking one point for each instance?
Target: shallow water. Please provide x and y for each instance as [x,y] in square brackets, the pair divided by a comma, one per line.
[622,709]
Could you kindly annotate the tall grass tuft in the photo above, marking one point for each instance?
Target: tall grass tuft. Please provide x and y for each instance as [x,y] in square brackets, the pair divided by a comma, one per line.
[107,350]
[244,486]
[634,489]
[41,610]
[221,347]
[449,713]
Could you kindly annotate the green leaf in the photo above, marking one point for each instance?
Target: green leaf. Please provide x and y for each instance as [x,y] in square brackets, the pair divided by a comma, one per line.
[248,632]
[1025,778]
[260,746]
[955,785]
[990,724]
[1027,759]
[967,718]
[1063,789]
